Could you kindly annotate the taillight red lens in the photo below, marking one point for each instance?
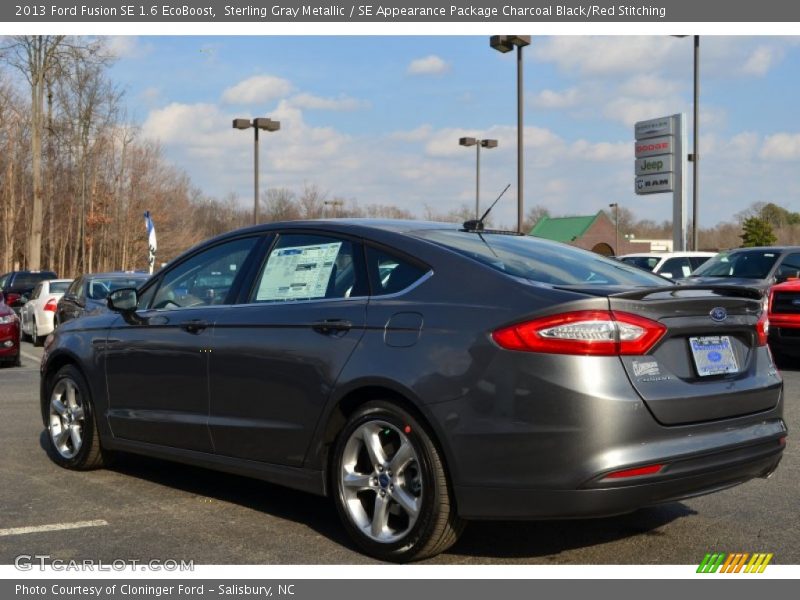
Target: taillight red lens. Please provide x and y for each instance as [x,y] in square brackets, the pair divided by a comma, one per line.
[637,472]
[51,305]
[12,298]
[585,332]
[762,328]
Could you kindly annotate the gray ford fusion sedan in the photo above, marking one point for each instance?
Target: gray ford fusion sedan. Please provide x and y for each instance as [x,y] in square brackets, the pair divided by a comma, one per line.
[423,375]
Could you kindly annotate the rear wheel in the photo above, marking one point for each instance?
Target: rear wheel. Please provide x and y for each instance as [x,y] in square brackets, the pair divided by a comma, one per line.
[35,337]
[71,426]
[391,489]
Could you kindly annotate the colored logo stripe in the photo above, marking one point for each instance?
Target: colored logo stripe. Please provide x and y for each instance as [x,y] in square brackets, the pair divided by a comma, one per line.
[735,562]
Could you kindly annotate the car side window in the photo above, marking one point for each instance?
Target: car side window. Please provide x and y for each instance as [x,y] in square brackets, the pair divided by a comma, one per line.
[72,290]
[391,274]
[310,267]
[147,296]
[789,267]
[205,278]
[696,261]
[676,268]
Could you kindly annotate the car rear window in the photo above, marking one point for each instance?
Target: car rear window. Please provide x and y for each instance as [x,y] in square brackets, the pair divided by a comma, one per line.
[99,289]
[541,260]
[25,281]
[59,287]
[648,263]
[747,264]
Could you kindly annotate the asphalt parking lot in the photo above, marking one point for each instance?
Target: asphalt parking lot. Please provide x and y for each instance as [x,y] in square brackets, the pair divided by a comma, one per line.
[145,509]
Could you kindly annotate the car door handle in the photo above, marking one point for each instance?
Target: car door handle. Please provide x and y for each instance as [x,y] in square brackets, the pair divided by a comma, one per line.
[194,326]
[332,326]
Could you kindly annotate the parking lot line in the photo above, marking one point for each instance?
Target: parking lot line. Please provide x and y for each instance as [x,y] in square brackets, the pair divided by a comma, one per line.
[52,527]
[30,356]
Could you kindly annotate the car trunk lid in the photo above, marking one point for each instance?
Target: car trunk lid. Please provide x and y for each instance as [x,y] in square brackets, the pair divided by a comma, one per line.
[709,364]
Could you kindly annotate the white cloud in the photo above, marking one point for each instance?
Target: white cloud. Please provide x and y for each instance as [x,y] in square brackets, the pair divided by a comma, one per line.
[550,99]
[627,110]
[339,103]
[781,146]
[126,46]
[421,133]
[257,89]
[604,55]
[760,61]
[649,86]
[429,65]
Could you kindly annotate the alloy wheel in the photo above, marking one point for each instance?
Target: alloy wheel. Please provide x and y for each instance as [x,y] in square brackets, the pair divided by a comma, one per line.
[66,418]
[381,481]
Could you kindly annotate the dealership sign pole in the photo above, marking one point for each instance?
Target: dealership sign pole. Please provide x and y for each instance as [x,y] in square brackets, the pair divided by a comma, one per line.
[660,167]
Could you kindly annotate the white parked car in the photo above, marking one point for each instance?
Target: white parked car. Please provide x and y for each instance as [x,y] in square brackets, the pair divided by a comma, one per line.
[674,265]
[37,313]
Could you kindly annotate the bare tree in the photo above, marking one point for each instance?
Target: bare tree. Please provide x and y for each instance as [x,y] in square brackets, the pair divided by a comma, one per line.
[40,58]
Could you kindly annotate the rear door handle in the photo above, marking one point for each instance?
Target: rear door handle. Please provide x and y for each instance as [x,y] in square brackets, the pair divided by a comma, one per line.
[194,326]
[332,326]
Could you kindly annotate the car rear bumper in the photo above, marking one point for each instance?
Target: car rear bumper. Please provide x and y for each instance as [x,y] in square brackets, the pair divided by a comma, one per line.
[689,477]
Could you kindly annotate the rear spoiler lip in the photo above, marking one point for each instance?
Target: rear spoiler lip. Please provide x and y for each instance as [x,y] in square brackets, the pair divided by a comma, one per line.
[754,293]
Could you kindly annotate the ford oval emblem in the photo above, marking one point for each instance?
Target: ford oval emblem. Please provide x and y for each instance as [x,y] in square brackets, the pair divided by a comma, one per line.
[718,314]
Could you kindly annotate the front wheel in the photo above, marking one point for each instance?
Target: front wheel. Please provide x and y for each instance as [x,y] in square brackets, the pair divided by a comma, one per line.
[390,486]
[73,439]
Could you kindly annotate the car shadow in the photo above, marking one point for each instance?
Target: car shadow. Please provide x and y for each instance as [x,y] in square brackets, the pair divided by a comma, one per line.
[547,539]
[490,539]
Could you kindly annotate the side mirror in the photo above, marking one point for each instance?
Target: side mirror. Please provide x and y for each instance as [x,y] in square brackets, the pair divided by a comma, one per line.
[123,300]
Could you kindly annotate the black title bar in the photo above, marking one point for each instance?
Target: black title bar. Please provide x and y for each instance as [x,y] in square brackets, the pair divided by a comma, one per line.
[398,11]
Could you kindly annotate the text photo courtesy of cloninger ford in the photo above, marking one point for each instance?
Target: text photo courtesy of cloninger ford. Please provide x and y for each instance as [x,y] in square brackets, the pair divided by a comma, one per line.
[458,300]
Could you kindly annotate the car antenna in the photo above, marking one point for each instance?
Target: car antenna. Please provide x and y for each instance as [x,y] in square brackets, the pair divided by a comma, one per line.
[477,224]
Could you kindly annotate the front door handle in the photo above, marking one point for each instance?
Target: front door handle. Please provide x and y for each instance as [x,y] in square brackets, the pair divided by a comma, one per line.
[332,326]
[194,326]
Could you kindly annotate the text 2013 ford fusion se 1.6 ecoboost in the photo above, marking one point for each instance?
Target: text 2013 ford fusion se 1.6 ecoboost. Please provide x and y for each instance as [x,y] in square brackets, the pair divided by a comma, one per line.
[423,375]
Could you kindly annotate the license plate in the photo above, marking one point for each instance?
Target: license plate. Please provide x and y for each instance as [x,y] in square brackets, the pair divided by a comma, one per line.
[713,355]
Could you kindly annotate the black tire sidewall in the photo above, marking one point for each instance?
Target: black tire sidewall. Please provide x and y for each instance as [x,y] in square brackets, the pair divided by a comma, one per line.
[406,548]
[89,430]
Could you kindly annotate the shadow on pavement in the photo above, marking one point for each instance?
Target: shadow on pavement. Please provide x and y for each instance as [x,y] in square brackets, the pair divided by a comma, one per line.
[491,539]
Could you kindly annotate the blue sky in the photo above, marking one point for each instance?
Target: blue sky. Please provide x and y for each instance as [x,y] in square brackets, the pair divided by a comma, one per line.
[377,119]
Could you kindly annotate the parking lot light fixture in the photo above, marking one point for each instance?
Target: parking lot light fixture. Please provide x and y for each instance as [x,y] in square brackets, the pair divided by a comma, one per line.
[506,43]
[478,143]
[266,124]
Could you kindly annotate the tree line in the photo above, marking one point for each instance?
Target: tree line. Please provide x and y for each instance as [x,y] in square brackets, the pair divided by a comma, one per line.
[76,176]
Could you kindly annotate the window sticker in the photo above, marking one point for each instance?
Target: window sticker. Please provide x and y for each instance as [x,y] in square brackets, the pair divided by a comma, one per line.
[298,272]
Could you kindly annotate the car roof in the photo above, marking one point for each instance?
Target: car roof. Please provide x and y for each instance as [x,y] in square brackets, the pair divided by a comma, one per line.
[117,275]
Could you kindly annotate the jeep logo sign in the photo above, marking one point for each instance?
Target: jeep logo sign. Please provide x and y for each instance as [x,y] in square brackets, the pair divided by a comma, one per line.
[655,164]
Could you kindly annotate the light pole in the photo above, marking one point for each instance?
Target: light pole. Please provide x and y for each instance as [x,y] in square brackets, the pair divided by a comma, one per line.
[470,141]
[258,123]
[334,203]
[506,43]
[695,156]
[615,206]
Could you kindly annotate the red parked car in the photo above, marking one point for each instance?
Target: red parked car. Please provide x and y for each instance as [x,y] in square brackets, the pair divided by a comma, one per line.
[9,334]
[784,318]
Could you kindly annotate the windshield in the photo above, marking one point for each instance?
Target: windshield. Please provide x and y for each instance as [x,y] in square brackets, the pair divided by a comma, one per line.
[542,260]
[648,263]
[747,264]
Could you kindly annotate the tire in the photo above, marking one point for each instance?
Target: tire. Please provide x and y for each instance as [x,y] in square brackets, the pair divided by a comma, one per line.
[393,499]
[68,409]
[37,339]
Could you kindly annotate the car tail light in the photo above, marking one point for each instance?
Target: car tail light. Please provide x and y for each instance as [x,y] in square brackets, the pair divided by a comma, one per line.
[637,472]
[12,298]
[586,332]
[762,328]
[51,305]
